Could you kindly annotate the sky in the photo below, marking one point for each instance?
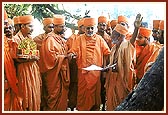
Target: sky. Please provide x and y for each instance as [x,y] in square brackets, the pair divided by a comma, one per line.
[105,8]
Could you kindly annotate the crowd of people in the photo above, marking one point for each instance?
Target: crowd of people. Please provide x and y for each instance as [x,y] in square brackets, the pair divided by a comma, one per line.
[55,79]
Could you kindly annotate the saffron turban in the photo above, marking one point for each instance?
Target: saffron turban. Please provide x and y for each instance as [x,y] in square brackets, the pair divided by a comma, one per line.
[102,19]
[26,19]
[156,24]
[122,19]
[121,29]
[113,23]
[161,25]
[59,20]
[47,21]
[89,22]
[145,32]
[81,22]
[5,15]
[16,20]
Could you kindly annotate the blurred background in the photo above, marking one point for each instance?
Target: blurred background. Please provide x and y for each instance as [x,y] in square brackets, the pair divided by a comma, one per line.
[73,11]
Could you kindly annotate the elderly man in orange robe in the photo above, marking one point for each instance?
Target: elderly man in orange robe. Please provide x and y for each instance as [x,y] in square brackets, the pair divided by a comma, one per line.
[11,99]
[73,87]
[28,73]
[47,27]
[119,79]
[55,66]
[124,20]
[89,49]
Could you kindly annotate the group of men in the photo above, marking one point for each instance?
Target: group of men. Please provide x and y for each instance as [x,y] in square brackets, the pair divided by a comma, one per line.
[56,80]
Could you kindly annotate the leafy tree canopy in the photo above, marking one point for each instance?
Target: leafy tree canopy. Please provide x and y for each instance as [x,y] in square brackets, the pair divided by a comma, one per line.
[41,11]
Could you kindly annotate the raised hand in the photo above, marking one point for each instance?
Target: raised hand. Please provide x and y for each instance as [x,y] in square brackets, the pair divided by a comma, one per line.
[138,21]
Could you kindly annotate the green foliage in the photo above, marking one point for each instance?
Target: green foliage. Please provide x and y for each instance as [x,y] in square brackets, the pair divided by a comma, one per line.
[41,11]
[17,9]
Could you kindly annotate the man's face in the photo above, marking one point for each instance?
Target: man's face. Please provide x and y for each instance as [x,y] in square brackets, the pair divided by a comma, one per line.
[48,28]
[140,40]
[115,37]
[8,30]
[160,36]
[154,34]
[81,29]
[27,28]
[60,29]
[102,27]
[109,31]
[89,30]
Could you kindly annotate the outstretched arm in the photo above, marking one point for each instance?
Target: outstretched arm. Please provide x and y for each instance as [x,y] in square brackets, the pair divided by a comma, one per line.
[137,24]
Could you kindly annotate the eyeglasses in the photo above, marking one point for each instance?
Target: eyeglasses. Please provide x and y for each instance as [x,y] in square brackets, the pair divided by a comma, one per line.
[102,24]
[50,26]
[8,27]
[88,28]
[60,26]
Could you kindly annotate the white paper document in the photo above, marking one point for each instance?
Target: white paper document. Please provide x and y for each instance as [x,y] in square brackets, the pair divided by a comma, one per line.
[93,67]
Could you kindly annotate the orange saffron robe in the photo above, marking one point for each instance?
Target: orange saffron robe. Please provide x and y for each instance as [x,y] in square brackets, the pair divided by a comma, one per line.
[11,100]
[29,81]
[154,55]
[54,65]
[119,84]
[142,59]
[89,50]
[73,88]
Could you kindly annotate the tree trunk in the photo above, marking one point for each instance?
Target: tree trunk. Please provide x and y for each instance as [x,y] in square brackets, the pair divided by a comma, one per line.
[149,94]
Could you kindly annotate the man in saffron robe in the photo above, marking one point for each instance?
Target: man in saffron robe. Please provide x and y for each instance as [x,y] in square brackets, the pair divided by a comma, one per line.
[55,67]
[89,49]
[119,79]
[11,98]
[73,87]
[28,73]
[102,26]
[124,20]
[145,54]
[159,43]
[47,27]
